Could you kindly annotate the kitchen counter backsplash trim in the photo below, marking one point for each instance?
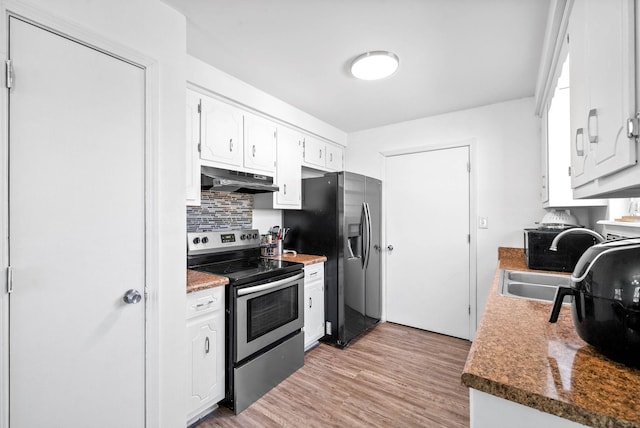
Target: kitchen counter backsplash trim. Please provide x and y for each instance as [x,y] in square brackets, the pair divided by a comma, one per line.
[518,355]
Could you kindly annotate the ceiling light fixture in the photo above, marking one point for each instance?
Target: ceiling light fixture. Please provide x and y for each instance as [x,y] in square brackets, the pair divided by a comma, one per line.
[375,65]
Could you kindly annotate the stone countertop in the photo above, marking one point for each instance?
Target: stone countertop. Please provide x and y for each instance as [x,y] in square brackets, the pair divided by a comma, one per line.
[306,259]
[518,355]
[197,281]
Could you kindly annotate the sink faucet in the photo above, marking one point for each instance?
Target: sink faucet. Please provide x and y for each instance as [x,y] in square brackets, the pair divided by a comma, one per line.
[554,243]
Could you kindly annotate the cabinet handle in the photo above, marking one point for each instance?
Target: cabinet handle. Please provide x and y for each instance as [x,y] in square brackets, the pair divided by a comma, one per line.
[330,157]
[592,118]
[285,189]
[320,153]
[579,142]
[253,151]
[313,274]
[206,345]
[310,302]
[200,305]
[230,144]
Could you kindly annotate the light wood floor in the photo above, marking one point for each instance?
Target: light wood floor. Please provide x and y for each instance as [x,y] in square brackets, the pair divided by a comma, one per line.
[393,376]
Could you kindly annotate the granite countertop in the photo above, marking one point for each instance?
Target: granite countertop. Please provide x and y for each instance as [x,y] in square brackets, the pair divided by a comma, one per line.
[306,259]
[518,355]
[197,281]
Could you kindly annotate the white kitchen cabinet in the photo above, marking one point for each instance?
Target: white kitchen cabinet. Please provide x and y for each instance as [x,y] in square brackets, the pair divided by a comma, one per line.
[321,155]
[334,157]
[221,133]
[288,173]
[314,152]
[193,148]
[556,150]
[259,144]
[205,351]
[314,304]
[603,92]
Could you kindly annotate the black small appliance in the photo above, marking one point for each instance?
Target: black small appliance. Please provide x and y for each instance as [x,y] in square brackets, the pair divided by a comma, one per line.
[570,248]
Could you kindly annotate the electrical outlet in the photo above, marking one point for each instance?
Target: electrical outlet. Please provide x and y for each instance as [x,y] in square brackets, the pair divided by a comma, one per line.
[483,223]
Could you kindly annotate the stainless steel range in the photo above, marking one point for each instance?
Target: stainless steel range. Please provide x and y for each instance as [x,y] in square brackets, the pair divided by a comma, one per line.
[264,311]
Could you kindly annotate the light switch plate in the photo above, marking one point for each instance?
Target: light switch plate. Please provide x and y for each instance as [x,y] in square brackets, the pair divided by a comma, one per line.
[483,222]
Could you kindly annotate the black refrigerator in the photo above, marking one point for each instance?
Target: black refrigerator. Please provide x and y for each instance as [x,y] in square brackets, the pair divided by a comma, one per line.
[340,219]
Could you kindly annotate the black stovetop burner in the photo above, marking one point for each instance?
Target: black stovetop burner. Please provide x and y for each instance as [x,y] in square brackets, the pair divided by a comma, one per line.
[242,271]
[235,255]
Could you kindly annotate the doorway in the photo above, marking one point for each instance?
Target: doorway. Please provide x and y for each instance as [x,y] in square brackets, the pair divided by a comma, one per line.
[76,208]
[428,201]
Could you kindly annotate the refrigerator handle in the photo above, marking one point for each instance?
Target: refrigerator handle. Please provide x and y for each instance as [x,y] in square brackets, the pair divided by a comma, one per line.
[366,244]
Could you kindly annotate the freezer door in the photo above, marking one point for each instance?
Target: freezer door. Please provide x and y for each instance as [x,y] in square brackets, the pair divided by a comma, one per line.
[373,293]
[352,281]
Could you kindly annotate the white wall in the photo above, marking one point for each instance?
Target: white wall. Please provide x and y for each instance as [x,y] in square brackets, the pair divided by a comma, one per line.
[152,30]
[507,168]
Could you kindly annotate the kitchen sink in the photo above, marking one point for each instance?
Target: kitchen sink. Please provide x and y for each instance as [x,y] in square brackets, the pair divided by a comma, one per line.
[532,285]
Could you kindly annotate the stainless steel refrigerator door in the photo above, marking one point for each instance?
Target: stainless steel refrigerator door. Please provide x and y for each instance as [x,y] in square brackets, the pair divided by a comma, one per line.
[352,281]
[373,292]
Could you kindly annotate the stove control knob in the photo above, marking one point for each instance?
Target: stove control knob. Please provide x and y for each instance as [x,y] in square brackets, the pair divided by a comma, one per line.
[243,237]
[205,239]
[255,236]
[196,241]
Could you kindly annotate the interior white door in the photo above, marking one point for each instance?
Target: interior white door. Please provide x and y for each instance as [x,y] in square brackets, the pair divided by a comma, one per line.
[77,234]
[427,204]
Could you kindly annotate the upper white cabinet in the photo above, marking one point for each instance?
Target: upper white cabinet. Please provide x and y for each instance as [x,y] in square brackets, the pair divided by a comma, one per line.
[603,97]
[259,143]
[334,157]
[556,150]
[193,148]
[221,131]
[320,155]
[288,173]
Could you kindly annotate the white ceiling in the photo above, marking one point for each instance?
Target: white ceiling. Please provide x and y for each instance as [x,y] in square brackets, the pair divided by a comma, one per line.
[454,54]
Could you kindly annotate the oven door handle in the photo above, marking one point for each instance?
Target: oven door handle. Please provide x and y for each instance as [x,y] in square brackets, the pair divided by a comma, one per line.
[268,286]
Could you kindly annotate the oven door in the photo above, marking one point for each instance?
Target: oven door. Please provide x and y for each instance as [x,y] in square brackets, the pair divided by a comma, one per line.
[265,313]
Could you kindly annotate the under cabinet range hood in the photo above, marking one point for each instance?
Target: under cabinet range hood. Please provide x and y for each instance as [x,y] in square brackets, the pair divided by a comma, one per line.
[222,180]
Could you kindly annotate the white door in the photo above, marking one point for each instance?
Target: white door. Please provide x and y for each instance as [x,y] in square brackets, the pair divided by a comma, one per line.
[259,143]
[289,168]
[77,234]
[427,204]
[221,132]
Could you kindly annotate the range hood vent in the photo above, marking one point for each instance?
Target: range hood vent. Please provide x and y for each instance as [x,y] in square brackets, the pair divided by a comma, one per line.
[222,180]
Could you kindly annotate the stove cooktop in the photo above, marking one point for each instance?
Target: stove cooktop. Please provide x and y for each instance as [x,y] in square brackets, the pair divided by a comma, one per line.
[243,271]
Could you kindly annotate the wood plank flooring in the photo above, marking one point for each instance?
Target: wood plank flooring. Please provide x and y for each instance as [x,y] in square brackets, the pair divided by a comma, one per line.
[393,376]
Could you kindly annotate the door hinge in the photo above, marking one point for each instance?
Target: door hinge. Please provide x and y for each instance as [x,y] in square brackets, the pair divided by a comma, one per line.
[569,171]
[469,309]
[146,293]
[469,238]
[9,279]
[468,166]
[633,124]
[9,73]
[199,106]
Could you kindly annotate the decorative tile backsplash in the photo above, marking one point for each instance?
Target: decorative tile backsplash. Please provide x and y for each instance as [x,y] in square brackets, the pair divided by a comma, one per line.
[220,211]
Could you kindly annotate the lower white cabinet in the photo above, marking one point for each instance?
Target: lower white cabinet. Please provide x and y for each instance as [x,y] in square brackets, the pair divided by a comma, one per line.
[205,351]
[314,304]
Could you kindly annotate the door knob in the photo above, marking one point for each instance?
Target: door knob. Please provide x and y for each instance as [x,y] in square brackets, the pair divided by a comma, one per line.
[377,247]
[390,247]
[132,296]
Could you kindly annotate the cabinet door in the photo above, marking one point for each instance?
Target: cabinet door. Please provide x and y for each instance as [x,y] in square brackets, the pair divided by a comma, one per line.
[314,152]
[314,313]
[580,149]
[259,144]
[221,132]
[206,362]
[289,168]
[193,148]
[610,53]
[334,160]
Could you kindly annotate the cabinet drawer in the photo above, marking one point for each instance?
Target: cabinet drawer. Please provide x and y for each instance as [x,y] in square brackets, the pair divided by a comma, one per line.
[314,272]
[205,301]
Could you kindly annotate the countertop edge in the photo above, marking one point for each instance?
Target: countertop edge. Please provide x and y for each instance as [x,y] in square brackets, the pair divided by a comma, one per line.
[199,281]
